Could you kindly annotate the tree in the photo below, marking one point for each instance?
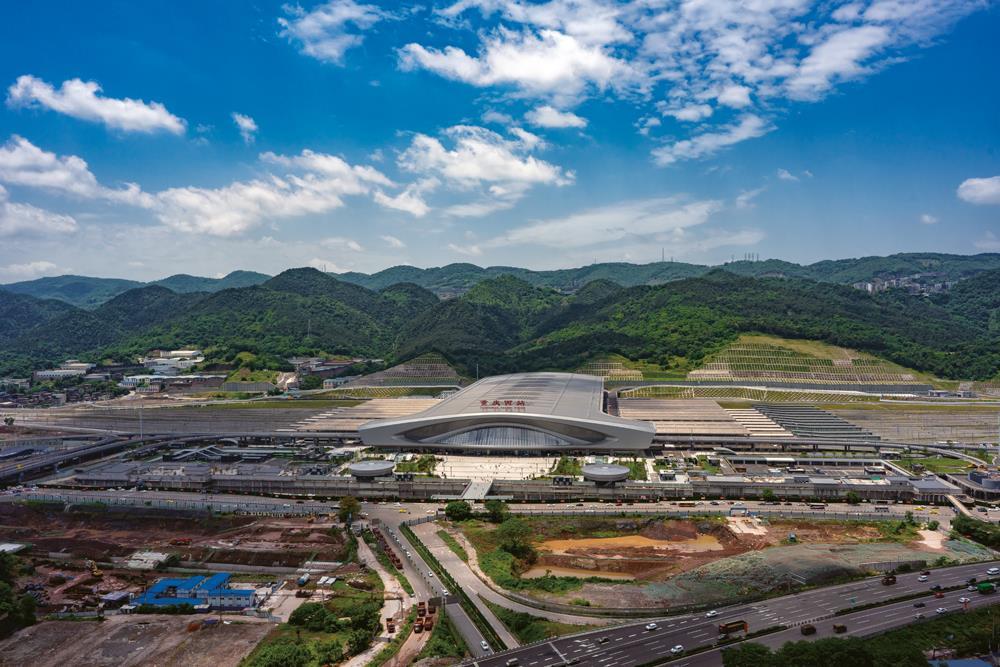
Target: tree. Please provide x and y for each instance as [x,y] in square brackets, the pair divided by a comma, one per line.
[349,509]
[514,535]
[497,510]
[329,653]
[311,382]
[767,495]
[358,641]
[853,498]
[933,524]
[747,655]
[458,510]
[909,518]
[282,653]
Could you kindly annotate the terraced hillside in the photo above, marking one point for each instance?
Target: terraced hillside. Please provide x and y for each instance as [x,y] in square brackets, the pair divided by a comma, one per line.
[426,370]
[770,359]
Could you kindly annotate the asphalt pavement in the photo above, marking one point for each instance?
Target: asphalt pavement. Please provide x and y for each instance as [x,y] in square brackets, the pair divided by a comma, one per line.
[632,644]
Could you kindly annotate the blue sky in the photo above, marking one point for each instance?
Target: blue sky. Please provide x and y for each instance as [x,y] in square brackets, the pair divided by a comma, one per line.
[143,139]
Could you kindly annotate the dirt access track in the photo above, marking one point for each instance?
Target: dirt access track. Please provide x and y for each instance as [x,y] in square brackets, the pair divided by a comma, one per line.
[130,640]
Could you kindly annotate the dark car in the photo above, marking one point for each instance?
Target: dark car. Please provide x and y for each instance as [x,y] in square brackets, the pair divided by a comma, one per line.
[919,604]
[936,587]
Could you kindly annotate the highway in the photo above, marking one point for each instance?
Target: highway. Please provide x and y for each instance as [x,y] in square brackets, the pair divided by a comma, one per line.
[631,644]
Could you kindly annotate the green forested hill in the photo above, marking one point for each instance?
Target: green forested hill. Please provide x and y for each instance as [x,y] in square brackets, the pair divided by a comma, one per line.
[456,279]
[88,292]
[506,323]
[182,282]
[81,291]
[977,300]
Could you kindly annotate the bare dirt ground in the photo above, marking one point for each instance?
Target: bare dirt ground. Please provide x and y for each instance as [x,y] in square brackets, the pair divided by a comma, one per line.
[102,535]
[127,641]
[676,562]
[61,543]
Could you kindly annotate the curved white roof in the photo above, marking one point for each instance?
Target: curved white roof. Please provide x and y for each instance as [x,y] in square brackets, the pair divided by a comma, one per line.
[562,410]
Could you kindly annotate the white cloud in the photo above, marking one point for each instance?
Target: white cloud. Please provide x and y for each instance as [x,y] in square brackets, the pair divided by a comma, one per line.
[392,241]
[786,175]
[497,117]
[646,124]
[591,21]
[735,96]
[325,265]
[411,199]
[548,116]
[501,170]
[630,219]
[329,30]
[23,163]
[549,64]
[315,183]
[247,126]
[341,243]
[685,56]
[989,242]
[82,99]
[708,143]
[840,57]
[18,219]
[480,155]
[29,270]
[744,200]
[688,113]
[928,219]
[980,190]
[468,250]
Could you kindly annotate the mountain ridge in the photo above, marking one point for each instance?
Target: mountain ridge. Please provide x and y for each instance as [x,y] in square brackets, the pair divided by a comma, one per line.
[455,279]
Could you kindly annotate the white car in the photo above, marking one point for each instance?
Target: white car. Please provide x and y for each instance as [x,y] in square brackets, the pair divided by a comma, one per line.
[940,610]
[484,645]
[677,650]
[970,588]
[651,626]
[922,577]
[993,570]
[712,614]
[964,600]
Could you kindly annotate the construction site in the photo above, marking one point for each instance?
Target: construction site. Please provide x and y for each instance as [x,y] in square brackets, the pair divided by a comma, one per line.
[656,562]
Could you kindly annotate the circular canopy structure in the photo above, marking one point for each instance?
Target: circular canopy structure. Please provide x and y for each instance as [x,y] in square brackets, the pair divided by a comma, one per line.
[603,473]
[371,469]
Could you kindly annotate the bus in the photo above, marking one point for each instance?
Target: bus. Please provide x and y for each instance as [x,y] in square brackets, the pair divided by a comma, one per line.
[817,506]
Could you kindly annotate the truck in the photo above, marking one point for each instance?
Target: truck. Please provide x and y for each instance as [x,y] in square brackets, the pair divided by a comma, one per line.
[687,503]
[888,580]
[304,579]
[986,588]
[732,626]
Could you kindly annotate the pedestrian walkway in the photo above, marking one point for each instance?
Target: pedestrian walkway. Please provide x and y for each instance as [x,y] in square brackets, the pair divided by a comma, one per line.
[476,491]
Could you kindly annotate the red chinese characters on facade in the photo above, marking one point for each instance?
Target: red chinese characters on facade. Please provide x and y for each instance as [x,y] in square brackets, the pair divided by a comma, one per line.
[502,405]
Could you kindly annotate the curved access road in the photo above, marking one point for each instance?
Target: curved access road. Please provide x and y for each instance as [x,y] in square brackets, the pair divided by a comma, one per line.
[477,588]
